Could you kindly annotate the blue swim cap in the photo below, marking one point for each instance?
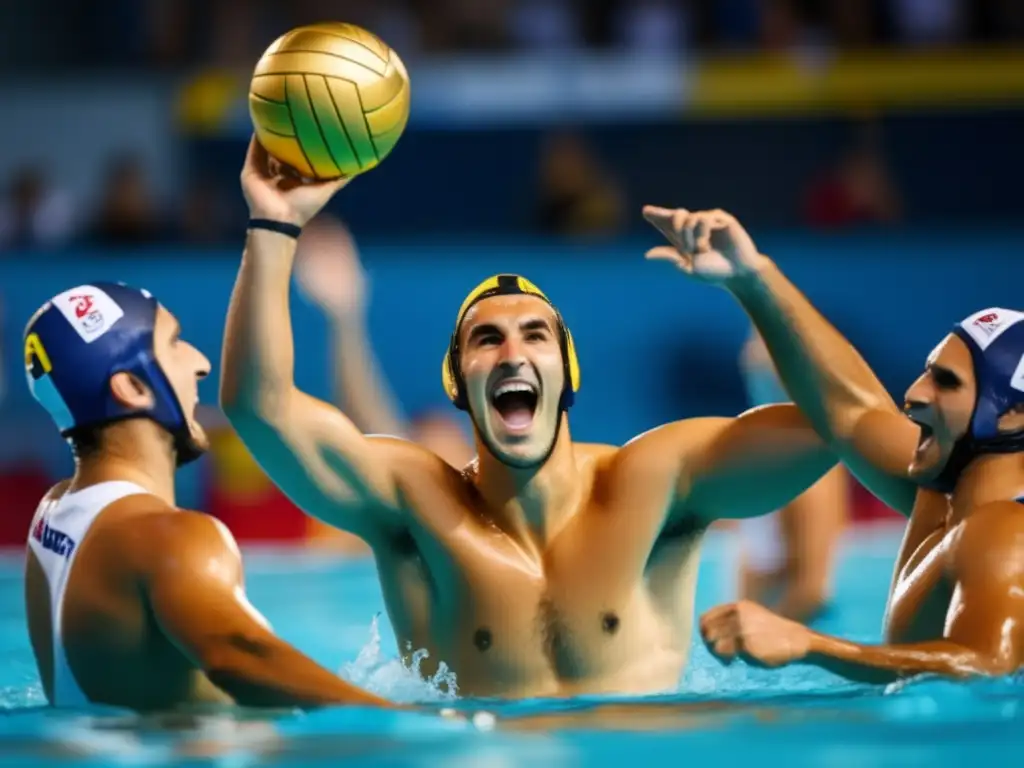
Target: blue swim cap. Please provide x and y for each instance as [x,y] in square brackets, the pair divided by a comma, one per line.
[79,339]
[995,337]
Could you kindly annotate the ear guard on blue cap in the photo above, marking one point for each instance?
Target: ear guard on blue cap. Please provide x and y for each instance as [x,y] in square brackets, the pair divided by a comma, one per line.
[79,339]
[995,338]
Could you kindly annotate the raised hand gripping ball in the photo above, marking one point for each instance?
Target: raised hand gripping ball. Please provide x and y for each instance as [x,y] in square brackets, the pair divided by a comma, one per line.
[329,100]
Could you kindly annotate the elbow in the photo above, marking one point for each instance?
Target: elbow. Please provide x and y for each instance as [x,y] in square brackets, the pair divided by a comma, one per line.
[229,654]
[849,422]
[232,395]
[227,389]
[241,415]
[263,407]
[235,408]
[249,391]
[990,666]
[964,663]
[235,661]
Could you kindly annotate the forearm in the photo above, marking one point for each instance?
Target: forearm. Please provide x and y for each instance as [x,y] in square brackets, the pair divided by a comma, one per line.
[885,663]
[273,674]
[826,377]
[259,356]
[359,386]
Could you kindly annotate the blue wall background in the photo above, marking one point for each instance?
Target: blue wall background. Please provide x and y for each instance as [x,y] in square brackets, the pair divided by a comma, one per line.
[654,345]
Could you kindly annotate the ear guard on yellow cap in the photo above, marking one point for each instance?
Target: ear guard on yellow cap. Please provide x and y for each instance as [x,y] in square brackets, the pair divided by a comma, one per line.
[505,285]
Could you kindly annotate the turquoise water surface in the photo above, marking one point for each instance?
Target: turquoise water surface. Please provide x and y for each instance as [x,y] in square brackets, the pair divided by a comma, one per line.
[735,715]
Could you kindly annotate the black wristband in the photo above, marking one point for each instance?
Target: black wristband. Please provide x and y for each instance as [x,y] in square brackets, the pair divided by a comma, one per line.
[281,227]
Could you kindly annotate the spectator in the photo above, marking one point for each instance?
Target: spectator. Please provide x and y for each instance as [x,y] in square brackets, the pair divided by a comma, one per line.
[34,215]
[859,190]
[576,197]
[127,212]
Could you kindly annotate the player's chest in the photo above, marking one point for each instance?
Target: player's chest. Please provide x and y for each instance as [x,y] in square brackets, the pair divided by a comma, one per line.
[530,626]
[569,609]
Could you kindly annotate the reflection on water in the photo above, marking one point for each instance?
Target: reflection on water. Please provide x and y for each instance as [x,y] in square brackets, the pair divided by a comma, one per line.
[942,722]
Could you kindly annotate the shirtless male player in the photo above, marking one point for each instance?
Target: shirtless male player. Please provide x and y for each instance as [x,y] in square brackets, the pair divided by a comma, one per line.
[131,601]
[953,462]
[544,567]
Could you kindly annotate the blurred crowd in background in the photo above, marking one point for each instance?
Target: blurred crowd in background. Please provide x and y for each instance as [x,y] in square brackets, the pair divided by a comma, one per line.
[857,137]
[171,35]
[578,187]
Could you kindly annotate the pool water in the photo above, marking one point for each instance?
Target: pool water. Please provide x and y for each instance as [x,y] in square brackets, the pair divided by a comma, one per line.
[332,609]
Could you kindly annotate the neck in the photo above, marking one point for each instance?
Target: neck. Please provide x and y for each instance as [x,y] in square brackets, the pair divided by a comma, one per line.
[531,504]
[136,451]
[988,478]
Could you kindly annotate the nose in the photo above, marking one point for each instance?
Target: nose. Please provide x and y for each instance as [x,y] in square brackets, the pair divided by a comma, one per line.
[512,353]
[203,365]
[918,396]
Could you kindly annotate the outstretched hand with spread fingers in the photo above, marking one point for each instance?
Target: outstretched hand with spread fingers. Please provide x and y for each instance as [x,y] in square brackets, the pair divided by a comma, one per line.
[710,245]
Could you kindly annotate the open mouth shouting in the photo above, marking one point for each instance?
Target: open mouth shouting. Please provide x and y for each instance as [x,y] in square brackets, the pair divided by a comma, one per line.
[515,402]
[926,439]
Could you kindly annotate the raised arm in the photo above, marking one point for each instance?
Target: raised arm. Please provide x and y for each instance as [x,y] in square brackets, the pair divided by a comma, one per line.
[307,447]
[825,376]
[193,583]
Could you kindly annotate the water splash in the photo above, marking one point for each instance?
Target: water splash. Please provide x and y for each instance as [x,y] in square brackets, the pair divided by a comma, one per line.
[22,697]
[393,678]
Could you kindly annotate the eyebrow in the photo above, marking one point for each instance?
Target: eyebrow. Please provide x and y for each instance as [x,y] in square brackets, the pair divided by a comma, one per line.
[484,329]
[176,332]
[535,324]
[530,324]
[942,370]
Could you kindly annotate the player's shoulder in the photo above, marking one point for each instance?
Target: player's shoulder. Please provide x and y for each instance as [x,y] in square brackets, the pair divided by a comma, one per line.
[992,530]
[995,517]
[397,444]
[149,524]
[595,451]
[412,460]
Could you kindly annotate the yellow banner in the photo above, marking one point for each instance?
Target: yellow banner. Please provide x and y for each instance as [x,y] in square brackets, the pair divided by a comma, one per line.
[788,84]
[732,85]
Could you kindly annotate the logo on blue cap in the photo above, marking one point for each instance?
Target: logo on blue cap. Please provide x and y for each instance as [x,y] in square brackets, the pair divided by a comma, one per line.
[986,326]
[89,310]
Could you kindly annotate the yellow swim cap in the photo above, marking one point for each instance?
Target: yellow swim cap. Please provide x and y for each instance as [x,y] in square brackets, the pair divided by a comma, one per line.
[505,285]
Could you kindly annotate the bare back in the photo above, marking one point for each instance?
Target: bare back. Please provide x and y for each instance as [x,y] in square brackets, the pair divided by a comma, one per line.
[112,644]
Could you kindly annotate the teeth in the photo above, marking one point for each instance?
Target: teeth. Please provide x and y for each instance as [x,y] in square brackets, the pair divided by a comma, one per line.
[513,386]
